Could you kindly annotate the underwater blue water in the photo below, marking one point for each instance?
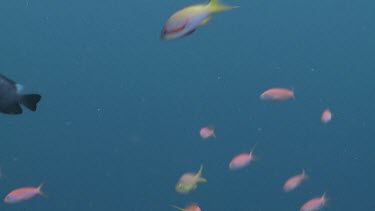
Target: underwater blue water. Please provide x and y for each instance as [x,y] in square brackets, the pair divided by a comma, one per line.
[121,110]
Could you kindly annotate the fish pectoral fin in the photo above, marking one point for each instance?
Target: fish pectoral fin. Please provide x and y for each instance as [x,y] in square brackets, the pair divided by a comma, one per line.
[205,21]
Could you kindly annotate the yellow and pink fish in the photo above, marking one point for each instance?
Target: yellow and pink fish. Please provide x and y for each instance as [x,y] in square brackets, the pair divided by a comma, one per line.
[189,181]
[185,21]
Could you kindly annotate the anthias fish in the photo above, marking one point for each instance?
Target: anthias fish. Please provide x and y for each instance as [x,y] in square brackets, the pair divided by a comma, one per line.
[22,194]
[185,21]
[189,181]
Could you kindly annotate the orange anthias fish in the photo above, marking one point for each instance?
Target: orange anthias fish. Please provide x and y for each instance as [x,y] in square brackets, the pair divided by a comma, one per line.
[185,21]
[277,94]
[193,207]
[314,204]
[22,194]
[207,132]
[242,160]
[294,181]
[189,181]
[326,116]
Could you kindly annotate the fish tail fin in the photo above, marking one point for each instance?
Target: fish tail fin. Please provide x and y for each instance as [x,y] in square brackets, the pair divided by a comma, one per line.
[252,149]
[203,180]
[211,127]
[179,208]
[326,199]
[254,157]
[40,189]
[293,96]
[305,176]
[200,171]
[30,101]
[217,6]
[199,174]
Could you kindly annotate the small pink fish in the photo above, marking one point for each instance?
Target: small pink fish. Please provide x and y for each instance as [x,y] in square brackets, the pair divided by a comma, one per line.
[192,207]
[207,132]
[294,181]
[326,116]
[242,160]
[277,94]
[22,194]
[314,204]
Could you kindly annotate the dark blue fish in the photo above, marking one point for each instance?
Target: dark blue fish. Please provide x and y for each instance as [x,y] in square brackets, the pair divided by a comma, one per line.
[10,98]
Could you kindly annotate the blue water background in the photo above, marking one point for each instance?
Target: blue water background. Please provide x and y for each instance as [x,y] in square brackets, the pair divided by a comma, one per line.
[120,114]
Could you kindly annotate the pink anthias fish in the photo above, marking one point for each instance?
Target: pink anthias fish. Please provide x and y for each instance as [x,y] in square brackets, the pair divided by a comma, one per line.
[192,207]
[207,132]
[294,181]
[22,194]
[277,94]
[242,160]
[314,204]
[185,21]
[326,116]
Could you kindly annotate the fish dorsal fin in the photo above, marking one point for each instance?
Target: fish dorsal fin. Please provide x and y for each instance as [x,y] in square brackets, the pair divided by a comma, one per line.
[305,176]
[7,79]
[252,149]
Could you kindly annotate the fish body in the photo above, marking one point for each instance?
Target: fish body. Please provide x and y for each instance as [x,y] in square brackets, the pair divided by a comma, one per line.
[326,116]
[189,181]
[294,181]
[241,160]
[192,207]
[207,132]
[185,21]
[277,94]
[314,204]
[10,98]
[22,194]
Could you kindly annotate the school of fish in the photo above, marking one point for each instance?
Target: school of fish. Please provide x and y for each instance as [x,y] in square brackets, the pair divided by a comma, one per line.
[179,25]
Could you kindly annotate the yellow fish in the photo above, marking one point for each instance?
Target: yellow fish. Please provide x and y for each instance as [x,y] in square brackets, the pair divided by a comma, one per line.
[189,181]
[185,21]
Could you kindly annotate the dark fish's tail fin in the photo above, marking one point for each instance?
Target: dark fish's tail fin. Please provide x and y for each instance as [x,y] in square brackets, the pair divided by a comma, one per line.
[30,101]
